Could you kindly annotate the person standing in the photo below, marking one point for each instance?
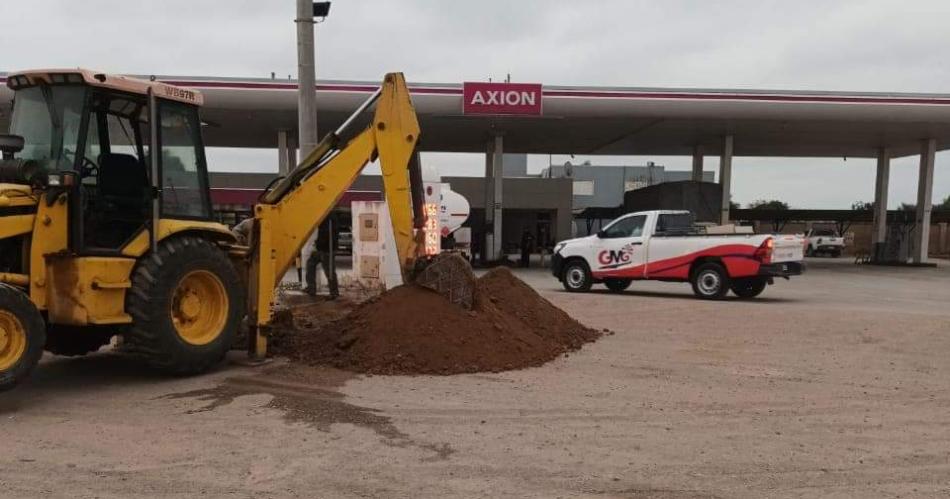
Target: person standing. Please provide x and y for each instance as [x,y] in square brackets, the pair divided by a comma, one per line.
[527,246]
[324,247]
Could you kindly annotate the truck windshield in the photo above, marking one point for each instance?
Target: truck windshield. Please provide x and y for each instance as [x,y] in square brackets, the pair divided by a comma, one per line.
[48,118]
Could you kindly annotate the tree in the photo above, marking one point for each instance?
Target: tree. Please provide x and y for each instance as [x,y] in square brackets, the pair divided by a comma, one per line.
[862,205]
[772,204]
[944,206]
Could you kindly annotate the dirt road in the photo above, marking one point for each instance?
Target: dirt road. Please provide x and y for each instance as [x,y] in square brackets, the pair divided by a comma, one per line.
[833,385]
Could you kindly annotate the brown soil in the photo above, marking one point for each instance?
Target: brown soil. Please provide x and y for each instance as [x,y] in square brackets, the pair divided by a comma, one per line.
[412,330]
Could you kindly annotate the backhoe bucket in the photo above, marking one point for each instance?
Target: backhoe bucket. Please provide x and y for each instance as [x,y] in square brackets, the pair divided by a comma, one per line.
[451,276]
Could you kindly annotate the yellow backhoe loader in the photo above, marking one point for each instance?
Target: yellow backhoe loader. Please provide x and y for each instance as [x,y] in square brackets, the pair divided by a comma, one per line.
[107,228]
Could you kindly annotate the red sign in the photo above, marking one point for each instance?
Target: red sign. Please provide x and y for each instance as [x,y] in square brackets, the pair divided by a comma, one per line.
[501,98]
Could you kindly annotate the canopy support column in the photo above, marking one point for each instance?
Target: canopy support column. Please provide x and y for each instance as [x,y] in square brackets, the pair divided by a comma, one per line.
[698,163]
[494,177]
[725,178]
[925,188]
[286,154]
[879,225]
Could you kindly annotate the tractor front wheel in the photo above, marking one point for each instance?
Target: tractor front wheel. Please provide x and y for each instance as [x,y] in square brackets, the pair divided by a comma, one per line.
[22,336]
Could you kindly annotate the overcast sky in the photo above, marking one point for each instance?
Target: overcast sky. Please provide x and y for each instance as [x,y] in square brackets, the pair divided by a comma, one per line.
[841,45]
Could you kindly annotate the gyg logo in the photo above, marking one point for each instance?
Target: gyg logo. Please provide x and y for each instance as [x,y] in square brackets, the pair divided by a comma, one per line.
[615,258]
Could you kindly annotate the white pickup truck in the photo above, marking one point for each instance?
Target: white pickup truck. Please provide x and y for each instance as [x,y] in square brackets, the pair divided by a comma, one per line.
[668,246]
[826,241]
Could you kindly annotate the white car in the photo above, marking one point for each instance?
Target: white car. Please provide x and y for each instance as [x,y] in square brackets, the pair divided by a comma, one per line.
[824,241]
[668,246]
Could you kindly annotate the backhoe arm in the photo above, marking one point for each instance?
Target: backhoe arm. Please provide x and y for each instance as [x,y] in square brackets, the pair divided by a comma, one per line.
[288,214]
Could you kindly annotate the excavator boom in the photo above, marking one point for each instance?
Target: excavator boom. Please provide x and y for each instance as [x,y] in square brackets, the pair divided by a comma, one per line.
[294,207]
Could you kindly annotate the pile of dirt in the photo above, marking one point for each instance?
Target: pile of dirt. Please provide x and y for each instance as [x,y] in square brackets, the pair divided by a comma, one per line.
[413,330]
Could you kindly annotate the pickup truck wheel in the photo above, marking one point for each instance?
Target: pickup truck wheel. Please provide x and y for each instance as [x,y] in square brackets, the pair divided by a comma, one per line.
[617,285]
[749,287]
[577,277]
[710,281]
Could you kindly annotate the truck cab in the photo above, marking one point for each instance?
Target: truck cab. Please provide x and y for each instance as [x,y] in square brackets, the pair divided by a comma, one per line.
[668,246]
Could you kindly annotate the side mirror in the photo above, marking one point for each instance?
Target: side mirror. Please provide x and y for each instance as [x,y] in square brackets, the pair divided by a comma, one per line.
[602,234]
[10,145]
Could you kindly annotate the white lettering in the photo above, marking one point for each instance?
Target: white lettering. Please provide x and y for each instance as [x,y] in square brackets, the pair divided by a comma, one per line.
[504,98]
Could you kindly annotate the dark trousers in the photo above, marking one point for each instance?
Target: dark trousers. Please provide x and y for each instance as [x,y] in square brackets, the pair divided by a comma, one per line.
[525,258]
[323,259]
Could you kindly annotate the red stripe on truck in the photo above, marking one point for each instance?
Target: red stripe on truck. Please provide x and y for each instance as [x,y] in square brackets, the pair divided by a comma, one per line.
[737,258]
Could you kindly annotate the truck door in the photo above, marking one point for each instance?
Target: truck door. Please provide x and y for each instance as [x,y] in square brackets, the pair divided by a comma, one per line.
[620,252]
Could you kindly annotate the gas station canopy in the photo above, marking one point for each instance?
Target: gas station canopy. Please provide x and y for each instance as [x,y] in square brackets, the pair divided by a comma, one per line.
[244,112]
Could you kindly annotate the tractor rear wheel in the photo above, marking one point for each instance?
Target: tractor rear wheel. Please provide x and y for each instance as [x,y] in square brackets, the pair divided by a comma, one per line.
[186,304]
[22,336]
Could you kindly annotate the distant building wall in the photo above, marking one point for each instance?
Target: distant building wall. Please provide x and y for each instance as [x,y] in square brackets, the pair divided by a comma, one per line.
[604,186]
[515,165]
[538,195]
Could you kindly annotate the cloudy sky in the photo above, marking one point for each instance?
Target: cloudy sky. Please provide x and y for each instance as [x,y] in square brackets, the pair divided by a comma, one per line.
[872,45]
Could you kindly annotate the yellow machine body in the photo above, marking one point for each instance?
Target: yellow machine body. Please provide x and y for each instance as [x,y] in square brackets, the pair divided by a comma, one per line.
[61,286]
[81,290]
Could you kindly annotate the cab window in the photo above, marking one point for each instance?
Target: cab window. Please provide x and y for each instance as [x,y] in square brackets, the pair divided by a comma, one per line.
[626,227]
[48,118]
[182,163]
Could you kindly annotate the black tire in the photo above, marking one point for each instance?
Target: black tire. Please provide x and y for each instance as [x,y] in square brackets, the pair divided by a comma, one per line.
[576,276]
[22,338]
[710,281]
[749,287]
[70,341]
[154,299]
[616,285]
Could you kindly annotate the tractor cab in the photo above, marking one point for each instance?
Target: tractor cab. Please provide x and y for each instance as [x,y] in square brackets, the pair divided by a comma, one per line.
[93,133]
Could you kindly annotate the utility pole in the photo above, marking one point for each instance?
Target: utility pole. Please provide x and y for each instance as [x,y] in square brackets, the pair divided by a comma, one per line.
[306,79]
[307,136]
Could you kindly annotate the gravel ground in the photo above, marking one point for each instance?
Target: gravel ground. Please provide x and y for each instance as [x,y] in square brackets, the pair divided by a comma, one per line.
[835,384]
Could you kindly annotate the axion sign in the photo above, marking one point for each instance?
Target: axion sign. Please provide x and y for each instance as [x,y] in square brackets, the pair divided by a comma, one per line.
[501,98]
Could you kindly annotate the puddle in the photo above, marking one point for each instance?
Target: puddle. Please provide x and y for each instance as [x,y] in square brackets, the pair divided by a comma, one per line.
[308,396]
